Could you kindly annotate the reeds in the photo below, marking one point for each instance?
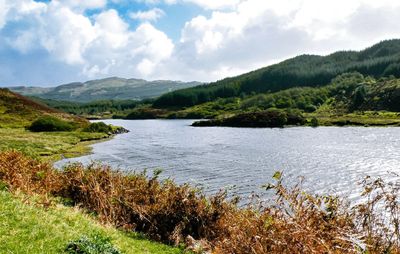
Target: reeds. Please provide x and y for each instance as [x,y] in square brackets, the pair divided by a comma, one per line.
[296,222]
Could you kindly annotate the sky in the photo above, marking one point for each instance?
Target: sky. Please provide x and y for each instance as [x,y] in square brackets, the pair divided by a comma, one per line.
[52,42]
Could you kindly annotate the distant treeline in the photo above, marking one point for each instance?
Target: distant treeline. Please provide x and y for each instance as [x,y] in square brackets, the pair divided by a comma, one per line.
[93,108]
[380,60]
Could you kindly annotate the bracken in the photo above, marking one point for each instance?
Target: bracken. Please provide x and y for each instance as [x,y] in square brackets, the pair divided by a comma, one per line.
[295,222]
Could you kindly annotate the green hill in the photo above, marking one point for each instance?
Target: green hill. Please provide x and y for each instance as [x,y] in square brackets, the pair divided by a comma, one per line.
[19,111]
[105,89]
[380,60]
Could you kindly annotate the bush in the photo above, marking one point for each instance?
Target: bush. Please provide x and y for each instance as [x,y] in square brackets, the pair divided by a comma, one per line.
[145,113]
[265,119]
[49,123]
[314,122]
[98,127]
[96,244]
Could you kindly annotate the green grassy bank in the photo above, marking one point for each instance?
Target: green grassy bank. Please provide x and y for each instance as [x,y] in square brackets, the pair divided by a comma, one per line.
[26,227]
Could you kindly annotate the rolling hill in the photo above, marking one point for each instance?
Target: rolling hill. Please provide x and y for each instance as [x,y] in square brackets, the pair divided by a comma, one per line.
[19,111]
[380,60]
[105,89]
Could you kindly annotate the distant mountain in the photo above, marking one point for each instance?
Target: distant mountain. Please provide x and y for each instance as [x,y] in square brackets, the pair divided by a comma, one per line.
[380,60]
[105,89]
[19,111]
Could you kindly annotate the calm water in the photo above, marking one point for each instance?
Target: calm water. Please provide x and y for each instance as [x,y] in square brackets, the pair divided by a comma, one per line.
[331,159]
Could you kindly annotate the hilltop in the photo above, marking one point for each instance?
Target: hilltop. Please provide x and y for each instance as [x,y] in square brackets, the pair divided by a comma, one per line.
[113,88]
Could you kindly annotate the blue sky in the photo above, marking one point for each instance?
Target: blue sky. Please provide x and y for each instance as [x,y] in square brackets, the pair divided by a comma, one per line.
[47,43]
[171,22]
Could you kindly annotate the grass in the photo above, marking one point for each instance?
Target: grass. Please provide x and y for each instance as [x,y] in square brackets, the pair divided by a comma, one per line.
[367,118]
[49,146]
[29,228]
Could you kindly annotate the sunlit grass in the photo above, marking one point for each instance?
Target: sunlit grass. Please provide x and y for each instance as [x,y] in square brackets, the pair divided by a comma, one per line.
[368,118]
[48,145]
[29,228]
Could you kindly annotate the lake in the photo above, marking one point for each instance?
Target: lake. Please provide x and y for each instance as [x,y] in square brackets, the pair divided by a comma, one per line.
[331,159]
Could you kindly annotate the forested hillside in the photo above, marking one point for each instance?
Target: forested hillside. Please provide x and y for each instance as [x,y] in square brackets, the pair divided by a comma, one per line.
[380,60]
[100,108]
[348,95]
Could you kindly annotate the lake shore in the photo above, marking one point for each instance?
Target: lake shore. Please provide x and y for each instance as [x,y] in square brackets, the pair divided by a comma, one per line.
[179,214]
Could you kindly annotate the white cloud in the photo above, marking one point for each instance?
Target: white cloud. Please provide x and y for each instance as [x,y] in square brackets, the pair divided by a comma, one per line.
[65,34]
[112,31]
[213,4]
[206,4]
[18,9]
[257,33]
[150,15]
[127,53]
[82,5]
[102,46]
[24,41]
[4,8]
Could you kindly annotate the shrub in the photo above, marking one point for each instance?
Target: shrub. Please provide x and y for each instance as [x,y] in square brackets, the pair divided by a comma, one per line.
[97,244]
[314,122]
[145,113]
[49,123]
[30,176]
[269,118]
[295,117]
[98,127]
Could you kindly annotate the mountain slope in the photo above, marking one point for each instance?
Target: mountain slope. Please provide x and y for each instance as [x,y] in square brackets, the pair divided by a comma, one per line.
[19,111]
[105,89]
[382,59]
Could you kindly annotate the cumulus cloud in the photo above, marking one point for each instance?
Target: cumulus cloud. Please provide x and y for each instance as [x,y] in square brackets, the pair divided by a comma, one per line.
[150,15]
[257,33]
[81,6]
[4,8]
[18,9]
[206,4]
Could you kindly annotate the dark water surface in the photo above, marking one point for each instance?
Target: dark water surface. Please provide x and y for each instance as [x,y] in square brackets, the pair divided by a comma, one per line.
[331,159]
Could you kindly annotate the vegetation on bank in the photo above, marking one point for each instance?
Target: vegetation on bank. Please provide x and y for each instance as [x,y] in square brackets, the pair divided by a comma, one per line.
[51,146]
[32,224]
[296,222]
[40,131]
[49,123]
[268,118]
